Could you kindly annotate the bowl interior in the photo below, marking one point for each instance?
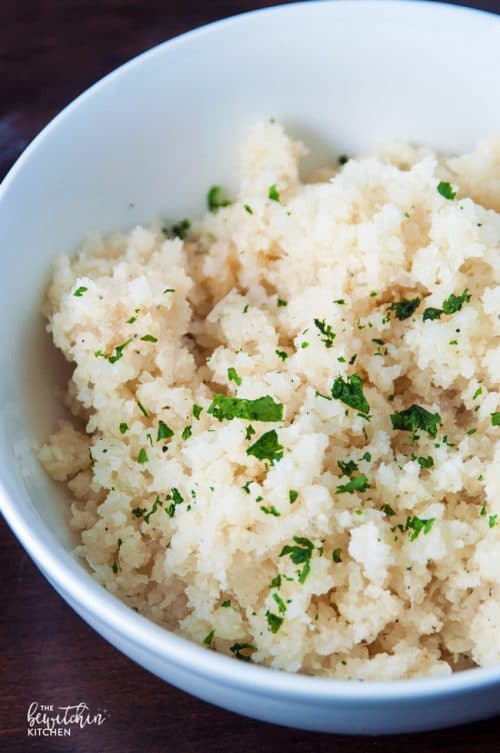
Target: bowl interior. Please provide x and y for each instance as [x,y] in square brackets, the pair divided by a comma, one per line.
[152,137]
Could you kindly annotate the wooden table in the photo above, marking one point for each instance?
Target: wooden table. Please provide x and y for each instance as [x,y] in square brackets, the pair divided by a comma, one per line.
[50,50]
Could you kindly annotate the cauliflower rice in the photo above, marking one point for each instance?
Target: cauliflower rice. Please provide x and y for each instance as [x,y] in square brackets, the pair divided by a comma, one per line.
[340,516]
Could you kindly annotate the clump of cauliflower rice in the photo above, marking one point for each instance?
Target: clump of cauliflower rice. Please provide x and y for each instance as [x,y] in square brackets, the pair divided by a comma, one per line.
[287,432]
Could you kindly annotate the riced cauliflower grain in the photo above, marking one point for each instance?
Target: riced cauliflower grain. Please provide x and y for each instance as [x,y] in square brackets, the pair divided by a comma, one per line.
[285,443]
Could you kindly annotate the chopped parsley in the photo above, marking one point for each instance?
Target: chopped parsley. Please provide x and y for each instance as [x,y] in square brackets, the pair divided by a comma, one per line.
[293,495]
[209,638]
[414,418]
[356,484]
[432,313]
[417,525]
[168,290]
[477,393]
[388,511]
[186,432]
[343,159]
[444,188]
[216,198]
[300,554]
[138,512]
[273,193]
[492,521]
[281,354]
[246,486]
[238,648]
[80,291]
[142,457]
[454,302]
[123,428]
[142,408]
[347,467]
[181,228]
[280,303]
[176,499]
[248,208]
[281,604]
[327,332]
[225,604]
[305,344]
[114,568]
[262,409]
[116,354]
[276,582]
[156,504]
[405,308]
[149,339]
[164,431]
[232,375]
[197,409]
[351,393]
[495,418]
[340,301]
[270,510]
[250,431]
[425,462]
[274,621]
[267,447]
[337,555]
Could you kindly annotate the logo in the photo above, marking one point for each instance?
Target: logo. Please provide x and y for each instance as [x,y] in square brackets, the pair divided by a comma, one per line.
[61,721]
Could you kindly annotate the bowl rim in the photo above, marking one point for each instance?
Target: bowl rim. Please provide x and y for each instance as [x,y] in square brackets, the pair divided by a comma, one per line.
[77,586]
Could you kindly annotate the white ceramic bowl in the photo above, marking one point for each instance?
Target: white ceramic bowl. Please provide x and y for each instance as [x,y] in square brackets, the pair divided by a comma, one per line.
[149,139]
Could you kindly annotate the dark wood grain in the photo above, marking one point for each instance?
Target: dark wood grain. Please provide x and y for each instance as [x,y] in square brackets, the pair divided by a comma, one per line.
[51,50]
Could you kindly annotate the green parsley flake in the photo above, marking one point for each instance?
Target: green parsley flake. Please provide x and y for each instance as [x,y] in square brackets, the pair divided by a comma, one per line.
[142,408]
[274,621]
[186,432]
[300,555]
[232,375]
[337,555]
[142,456]
[164,431]
[495,418]
[209,638]
[267,447]
[116,354]
[417,525]
[149,339]
[216,198]
[280,303]
[454,302]
[414,418]
[388,511]
[425,462]
[293,495]
[168,290]
[347,467]
[197,409]
[80,291]
[351,393]
[250,431]
[248,208]
[177,499]
[405,308]
[356,484]
[123,428]
[492,521]
[156,504]
[138,512]
[281,604]
[245,308]
[432,314]
[238,648]
[327,332]
[444,188]
[225,604]
[281,354]
[273,192]
[304,344]
[276,582]
[477,393]
[114,568]
[340,301]
[179,229]
[270,510]
[343,159]
[262,409]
